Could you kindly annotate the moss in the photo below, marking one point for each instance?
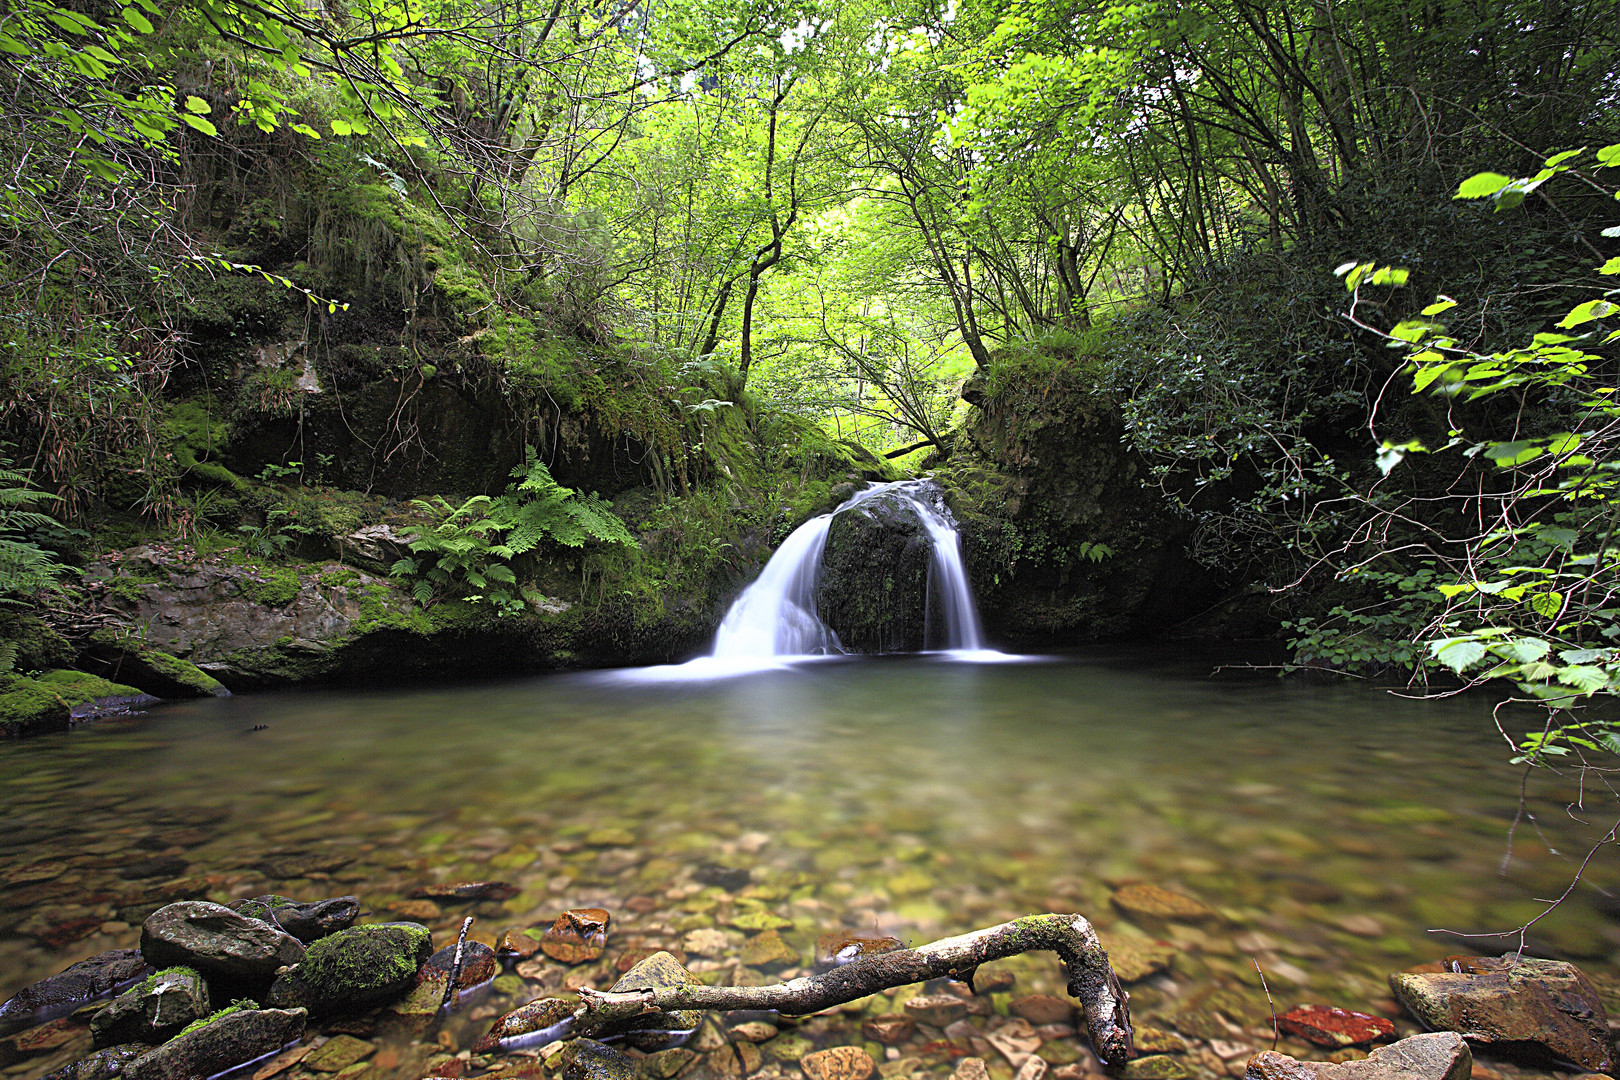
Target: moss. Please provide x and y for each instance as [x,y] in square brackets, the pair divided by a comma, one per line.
[38,646]
[28,706]
[274,586]
[356,967]
[335,578]
[151,981]
[159,672]
[382,608]
[233,1007]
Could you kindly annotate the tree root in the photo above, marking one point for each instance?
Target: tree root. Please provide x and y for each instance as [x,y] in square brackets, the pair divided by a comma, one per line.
[1092,982]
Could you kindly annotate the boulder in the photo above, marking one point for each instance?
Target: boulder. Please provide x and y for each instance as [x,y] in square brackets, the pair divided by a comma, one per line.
[74,986]
[355,968]
[535,1024]
[224,1042]
[1539,1005]
[154,1011]
[478,965]
[874,576]
[101,1065]
[1443,1055]
[657,1031]
[306,922]
[218,942]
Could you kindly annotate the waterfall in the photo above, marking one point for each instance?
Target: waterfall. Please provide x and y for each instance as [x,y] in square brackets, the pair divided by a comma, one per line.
[776,615]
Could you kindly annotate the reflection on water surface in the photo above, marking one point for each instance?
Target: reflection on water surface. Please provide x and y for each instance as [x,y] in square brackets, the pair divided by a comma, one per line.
[1331,827]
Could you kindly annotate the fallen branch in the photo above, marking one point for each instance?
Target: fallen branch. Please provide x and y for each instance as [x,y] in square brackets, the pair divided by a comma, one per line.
[1092,982]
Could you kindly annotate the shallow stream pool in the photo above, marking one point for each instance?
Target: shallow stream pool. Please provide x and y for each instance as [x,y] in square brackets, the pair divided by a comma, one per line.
[1331,828]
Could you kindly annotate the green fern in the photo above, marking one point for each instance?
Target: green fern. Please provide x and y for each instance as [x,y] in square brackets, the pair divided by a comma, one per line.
[25,566]
[473,548]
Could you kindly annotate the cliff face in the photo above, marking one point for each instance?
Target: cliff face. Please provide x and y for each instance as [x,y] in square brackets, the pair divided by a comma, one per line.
[1064,541]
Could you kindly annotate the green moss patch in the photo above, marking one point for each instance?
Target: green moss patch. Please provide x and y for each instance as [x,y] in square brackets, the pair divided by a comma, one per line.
[29,706]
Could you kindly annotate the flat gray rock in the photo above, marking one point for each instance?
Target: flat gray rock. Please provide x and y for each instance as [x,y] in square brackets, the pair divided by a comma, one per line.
[1443,1055]
[217,941]
[234,1039]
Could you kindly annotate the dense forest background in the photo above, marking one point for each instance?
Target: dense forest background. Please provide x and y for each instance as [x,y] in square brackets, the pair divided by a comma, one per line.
[558,317]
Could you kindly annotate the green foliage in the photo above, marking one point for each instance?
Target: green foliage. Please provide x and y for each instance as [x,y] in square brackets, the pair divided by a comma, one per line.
[1533,596]
[476,548]
[25,565]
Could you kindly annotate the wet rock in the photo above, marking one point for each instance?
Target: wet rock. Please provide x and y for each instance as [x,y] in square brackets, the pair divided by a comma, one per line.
[1442,1055]
[306,922]
[538,1018]
[971,1068]
[838,1063]
[159,866]
[1153,1040]
[355,968]
[591,1060]
[296,864]
[520,943]
[666,1064]
[1157,1067]
[1043,1009]
[578,936]
[217,941]
[731,880]
[1016,1041]
[768,950]
[231,1040]
[840,948]
[1134,958]
[996,979]
[936,1009]
[1334,1028]
[706,942]
[1159,903]
[754,1031]
[101,1065]
[651,1032]
[156,1010]
[477,964]
[73,986]
[874,576]
[414,910]
[140,664]
[1032,1069]
[338,1053]
[890,1030]
[52,1036]
[789,1047]
[467,892]
[1547,1005]
[759,920]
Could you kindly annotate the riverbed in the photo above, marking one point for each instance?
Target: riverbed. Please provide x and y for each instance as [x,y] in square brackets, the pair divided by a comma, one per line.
[1336,833]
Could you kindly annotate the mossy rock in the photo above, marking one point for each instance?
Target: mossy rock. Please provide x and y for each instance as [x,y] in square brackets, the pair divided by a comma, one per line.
[56,699]
[355,968]
[38,646]
[150,668]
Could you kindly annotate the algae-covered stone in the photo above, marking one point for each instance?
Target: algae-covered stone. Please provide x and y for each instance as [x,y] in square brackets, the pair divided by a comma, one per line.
[1157,1067]
[157,1009]
[355,968]
[1135,958]
[579,935]
[768,950]
[139,663]
[219,1044]
[56,699]
[591,1060]
[659,969]
[1545,1004]
[338,1053]
[217,941]
[306,922]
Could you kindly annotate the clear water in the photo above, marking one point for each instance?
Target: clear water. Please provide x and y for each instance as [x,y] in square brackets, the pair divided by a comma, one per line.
[1333,827]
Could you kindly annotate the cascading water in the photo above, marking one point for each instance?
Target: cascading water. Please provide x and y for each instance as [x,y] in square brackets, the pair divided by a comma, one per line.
[776,615]
[775,622]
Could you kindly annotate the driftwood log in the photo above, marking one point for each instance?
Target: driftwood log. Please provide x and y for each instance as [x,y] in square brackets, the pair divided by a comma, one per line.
[1092,982]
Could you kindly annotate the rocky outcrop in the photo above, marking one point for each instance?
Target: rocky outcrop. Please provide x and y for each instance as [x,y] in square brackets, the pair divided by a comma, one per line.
[1514,1003]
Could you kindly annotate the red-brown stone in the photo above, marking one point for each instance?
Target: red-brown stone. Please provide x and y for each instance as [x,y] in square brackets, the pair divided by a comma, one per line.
[1326,1026]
